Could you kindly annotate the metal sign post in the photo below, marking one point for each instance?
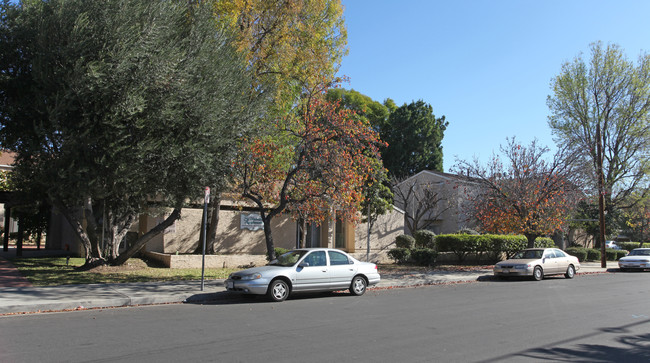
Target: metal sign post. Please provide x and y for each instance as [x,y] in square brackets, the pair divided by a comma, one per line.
[205,222]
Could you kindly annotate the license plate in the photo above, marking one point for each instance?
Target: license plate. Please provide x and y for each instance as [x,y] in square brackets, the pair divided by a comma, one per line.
[505,271]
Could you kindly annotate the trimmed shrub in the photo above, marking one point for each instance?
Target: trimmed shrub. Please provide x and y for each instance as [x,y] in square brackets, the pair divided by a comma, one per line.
[513,244]
[544,242]
[645,245]
[460,244]
[424,256]
[579,252]
[468,231]
[400,255]
[404,241]
[615,255]
[425,239]
[629,246]
[593,254]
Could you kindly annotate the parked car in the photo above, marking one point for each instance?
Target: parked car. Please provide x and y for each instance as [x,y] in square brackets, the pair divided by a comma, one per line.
[612,244]
[305,270]
[538,262]
[638,258]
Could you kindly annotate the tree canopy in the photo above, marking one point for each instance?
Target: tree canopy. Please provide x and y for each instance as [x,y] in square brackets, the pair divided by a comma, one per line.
[524,194]
[414,136]
[113,105]
[610,93]
[311,163]
[293,45]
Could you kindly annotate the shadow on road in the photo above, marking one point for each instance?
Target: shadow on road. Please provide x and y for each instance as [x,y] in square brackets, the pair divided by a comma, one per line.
[626,347]
[226,298]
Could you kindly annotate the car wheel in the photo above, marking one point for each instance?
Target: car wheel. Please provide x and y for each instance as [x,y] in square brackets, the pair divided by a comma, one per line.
[538,274]
[570,272]
[278,290]
[623,269]
[358,286]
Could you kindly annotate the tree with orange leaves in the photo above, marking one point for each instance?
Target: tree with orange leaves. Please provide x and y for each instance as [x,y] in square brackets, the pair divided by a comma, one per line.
[308,163]
[527,194]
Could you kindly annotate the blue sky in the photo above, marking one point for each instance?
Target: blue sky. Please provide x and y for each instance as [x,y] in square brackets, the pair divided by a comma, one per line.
[485,65]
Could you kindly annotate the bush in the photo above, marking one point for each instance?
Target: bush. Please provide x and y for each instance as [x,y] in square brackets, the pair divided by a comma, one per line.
[425,239]
[544,242]
[513,244]
[645,245]
[279,251]
[467,231]
[404,241]
[628,246]
[460,244]
[615,255]
[424,256]
[400,255]
[579,252]
[593,254]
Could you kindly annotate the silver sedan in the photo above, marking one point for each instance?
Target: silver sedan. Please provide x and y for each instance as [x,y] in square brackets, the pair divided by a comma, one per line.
[538,262]
[638,259]
[305,270]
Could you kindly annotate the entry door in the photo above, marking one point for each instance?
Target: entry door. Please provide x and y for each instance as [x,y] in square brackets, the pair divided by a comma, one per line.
[314,273]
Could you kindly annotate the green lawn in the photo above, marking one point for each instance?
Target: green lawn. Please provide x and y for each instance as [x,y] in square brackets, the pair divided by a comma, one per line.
[51,271]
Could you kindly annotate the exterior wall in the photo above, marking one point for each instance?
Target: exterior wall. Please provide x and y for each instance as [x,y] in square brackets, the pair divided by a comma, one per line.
[184,236]
[452,190]
[382,237]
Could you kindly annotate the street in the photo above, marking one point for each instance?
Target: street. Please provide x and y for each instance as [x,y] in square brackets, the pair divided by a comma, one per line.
[592,318]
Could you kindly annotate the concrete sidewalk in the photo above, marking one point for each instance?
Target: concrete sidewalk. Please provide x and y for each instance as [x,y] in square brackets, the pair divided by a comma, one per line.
[16,300]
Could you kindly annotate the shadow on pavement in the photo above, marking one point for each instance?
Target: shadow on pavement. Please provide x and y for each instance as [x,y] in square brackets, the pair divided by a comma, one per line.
[227,298]
[626,347]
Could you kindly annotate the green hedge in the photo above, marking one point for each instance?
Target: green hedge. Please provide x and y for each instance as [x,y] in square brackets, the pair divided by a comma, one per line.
[580,252]
[629,246]
[487,244]
[425,239]
[424,256]
[593,254]
[400,255]
[404,241]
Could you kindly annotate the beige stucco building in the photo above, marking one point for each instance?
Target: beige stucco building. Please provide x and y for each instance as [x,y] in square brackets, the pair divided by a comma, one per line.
[240,238]
[435,201]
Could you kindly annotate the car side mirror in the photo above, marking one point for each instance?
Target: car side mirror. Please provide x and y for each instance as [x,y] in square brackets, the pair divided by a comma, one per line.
[304,264]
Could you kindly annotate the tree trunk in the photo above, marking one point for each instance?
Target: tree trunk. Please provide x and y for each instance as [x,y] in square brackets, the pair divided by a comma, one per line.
[270,248]
[142,241]
[215,208]
[77,226]
[531,239]
[303,233]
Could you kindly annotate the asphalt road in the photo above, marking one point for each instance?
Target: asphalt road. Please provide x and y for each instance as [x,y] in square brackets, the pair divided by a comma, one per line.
[592,318]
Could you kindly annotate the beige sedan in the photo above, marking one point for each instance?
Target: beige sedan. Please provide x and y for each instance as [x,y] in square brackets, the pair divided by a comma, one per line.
[538,262]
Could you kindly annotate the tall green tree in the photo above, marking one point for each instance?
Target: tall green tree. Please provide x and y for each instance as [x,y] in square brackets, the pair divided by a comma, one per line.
[414,136]
[607,95]
[113,105]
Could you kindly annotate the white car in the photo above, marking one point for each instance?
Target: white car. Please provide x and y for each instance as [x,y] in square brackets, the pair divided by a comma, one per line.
[305,270]
[612,244]
[639,258]
[538,262]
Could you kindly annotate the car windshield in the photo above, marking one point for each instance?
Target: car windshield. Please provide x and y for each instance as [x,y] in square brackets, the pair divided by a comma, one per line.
[528,255]
[288,259]
[640,253]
